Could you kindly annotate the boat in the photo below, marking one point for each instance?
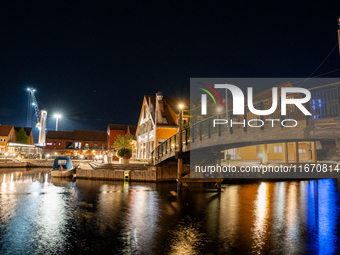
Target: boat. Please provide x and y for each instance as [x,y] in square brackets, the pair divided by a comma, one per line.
[62,167]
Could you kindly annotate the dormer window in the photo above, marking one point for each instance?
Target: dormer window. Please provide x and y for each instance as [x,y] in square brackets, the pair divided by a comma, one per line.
[164,120]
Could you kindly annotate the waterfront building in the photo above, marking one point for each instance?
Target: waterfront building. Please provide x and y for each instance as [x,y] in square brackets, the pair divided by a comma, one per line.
[13,149]
[7,135]
[114,130]
[158,120]
[77,143]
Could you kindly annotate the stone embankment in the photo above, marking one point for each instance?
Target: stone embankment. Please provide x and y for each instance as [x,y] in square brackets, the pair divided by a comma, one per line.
[133,172]
[18,164]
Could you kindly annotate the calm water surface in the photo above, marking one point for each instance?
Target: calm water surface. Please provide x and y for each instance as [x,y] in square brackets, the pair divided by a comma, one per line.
[40,215]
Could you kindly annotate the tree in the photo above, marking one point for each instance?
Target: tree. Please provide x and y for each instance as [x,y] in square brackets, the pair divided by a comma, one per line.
[123,142]
[21,137]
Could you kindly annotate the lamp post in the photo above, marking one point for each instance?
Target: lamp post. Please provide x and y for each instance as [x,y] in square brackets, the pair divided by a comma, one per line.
[57,116]
[339,33]
[180,147]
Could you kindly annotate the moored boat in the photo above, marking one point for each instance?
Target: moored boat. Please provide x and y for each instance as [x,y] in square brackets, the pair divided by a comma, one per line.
[62,167]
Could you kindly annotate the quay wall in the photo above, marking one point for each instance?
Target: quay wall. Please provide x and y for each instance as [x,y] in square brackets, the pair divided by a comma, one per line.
[107,174]
[26,164]
[153,174]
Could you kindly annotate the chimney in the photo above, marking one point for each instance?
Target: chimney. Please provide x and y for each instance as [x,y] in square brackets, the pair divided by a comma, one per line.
[160,101]
[159,106]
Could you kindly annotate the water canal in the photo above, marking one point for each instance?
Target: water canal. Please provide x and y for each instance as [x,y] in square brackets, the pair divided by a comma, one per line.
[39,215]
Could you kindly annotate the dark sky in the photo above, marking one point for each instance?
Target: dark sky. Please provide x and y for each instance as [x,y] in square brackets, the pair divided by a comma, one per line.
[92,61]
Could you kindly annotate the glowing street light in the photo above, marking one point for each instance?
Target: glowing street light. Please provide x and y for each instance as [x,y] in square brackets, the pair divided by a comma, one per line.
[57,116]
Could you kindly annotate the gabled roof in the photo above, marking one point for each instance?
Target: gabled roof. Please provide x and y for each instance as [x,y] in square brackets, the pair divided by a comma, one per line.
[124,128]
[133,130]
[5,130]
[27,130]
[80,135]
[175,102]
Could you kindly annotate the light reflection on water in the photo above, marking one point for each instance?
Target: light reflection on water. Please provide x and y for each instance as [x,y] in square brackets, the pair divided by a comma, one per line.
[40,215]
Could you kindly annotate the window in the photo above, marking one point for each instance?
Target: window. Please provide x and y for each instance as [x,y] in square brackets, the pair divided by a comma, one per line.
[300,150]
[54,143]
[275,149]
[95,145]
[48,143]
[69,145]
[280,149]
[86,145]
[164,120]
[59,144]
[79,145]
[76,145]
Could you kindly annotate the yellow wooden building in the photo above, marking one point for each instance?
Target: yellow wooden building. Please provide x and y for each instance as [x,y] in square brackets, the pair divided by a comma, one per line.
[158,120]
[7,135]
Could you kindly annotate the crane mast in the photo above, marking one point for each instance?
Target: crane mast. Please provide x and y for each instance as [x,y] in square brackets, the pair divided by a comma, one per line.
[40,115]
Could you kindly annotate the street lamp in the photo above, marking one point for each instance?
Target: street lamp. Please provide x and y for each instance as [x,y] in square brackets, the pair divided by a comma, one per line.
[57,116]
[180,146]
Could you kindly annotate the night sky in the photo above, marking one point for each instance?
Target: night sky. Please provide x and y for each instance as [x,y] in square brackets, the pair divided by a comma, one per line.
[92,61]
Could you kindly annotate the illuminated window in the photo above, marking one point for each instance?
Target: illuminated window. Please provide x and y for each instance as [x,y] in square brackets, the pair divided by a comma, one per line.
[87,145]
[76,145]
[79,145]
[54,143]
[59,144]
[95,145]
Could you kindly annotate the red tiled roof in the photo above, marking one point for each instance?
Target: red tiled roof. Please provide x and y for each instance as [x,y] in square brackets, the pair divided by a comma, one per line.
[5,129]
[80,135]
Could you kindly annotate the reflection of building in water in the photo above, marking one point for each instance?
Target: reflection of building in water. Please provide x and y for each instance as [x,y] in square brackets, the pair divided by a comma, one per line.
[229,215]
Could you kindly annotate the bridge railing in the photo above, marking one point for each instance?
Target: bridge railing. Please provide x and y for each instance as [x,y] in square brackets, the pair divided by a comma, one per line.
[170,145]
[325,101]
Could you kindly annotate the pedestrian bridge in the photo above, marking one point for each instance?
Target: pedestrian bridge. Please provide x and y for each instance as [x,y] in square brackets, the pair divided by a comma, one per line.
[324,124]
